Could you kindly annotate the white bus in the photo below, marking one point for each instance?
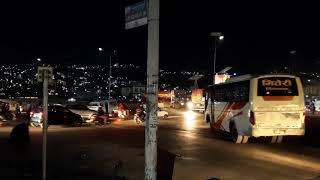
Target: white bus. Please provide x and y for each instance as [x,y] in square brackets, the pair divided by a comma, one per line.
[257,106]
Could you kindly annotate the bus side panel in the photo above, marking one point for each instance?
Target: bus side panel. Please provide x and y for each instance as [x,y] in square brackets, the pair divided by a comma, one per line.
[220,113]
[241,119]
[225,112]
[209,111]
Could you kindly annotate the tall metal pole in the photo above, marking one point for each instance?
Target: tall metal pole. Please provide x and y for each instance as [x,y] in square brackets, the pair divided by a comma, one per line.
[45,124]
[214,59]
[152,91]
[109,95]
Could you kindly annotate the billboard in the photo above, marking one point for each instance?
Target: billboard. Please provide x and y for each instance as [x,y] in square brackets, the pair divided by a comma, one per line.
[136,15]
[221,78]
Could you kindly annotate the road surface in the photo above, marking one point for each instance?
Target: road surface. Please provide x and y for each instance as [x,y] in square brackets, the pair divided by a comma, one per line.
[83,152]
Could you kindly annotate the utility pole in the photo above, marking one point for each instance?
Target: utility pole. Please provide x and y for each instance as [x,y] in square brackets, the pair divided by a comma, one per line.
[152,91]
[45,124]
[109,94]
[44,75]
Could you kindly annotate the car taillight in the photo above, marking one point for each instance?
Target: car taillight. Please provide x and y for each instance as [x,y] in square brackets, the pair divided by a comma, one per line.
[252,119]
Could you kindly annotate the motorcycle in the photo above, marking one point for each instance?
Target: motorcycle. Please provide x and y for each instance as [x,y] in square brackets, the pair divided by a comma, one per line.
[36,124]
[139,117]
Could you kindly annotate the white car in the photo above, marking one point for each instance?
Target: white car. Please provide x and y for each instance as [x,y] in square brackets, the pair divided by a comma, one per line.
[87,114]
[94,106]
[107,105]
[162,114]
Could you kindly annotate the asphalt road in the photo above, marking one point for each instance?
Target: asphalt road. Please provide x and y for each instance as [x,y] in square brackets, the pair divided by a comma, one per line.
[117,149]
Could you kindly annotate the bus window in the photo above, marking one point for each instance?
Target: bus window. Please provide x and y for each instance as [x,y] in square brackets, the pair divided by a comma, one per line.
[234,92]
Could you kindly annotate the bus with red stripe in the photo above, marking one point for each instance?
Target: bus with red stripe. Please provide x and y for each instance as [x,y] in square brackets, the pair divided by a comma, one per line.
[257,106]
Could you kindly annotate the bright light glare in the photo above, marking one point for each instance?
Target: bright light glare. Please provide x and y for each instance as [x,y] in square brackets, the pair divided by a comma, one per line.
[190,105]
[72,100]
[38,59]
[100,49]
[221,37]
[189,117]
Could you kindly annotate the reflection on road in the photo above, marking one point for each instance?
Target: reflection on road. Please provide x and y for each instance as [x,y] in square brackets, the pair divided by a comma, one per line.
[290,160]
[189,120]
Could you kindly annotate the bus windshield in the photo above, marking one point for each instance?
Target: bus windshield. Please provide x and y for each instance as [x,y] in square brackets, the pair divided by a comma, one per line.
[277,86]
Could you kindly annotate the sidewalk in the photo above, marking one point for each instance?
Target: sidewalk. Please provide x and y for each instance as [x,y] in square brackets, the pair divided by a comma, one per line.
[72,161]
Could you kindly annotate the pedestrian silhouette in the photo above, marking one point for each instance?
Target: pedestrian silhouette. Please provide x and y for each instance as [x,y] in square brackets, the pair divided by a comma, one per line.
[20,135]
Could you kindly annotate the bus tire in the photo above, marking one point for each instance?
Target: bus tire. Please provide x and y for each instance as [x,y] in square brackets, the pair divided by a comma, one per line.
[279,139]
[245,139]
[274,139]
[236,138]
[208,119]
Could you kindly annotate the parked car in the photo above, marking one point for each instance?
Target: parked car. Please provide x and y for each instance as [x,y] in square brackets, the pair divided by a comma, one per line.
[56,115]
[94,106]
[87,114]
[162,114]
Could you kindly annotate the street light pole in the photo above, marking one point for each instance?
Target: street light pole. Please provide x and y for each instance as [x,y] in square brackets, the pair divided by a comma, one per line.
[109,79]
[45,125]
[214,60]
[152,91]
[109,95]
[44,74]
[215,35]
[292,61]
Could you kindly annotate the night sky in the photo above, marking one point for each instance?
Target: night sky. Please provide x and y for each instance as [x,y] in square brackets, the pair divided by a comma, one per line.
[257,36]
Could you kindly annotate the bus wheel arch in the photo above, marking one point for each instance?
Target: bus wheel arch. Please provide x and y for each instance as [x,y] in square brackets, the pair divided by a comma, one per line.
[208,118]
[235,137]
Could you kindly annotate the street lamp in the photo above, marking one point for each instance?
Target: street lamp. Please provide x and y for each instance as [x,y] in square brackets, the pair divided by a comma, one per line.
[39,59]
[292,59]
[109,83]
[215,35]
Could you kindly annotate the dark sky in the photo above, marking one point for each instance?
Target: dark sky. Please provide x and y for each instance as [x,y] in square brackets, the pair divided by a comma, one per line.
[257,35]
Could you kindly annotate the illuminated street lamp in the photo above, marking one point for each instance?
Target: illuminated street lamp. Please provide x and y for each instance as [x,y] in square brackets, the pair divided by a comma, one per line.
[109,85]
[39,59]
[215,35]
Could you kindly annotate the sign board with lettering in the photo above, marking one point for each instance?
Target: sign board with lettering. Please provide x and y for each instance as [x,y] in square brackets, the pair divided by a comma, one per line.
[277,86]
[44,72]
[136,15]
[221,78]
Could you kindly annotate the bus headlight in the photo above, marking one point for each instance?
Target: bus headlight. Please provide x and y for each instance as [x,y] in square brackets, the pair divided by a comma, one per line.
[190,105]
